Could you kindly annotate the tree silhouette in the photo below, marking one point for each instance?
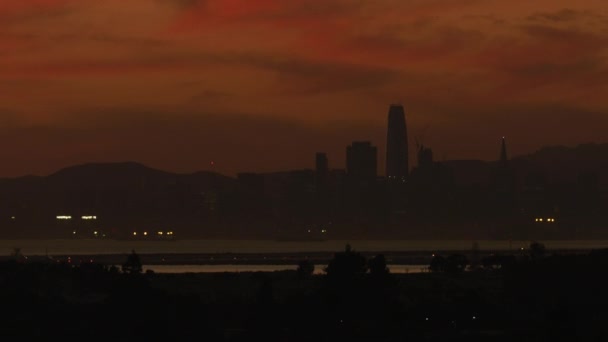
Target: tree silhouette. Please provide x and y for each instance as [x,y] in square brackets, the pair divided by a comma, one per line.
[382,284]
[305,268]
[345,292]
[346,265]
[17,255]
[457,263]
[453,264]
[133,264]
[377,266]
[438,264]
[537,250]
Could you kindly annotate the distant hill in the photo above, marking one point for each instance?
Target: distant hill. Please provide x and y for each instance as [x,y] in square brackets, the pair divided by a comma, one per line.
[567,164]
[131,175]
[120,193]
[552,164]
[128,197]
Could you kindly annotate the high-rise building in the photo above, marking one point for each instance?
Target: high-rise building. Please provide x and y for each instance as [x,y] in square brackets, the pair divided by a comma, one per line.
[504,174]
[362,162]
[503,153]
[397,159]
[321,163]
[321,169]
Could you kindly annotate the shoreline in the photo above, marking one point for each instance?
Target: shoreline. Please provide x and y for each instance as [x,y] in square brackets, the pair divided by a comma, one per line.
[282,258]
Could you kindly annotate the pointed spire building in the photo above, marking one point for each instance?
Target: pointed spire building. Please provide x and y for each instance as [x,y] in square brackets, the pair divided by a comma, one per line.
[397,158]
[503,153]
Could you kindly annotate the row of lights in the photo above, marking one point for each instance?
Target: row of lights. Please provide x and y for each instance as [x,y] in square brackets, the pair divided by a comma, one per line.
[96,233]
[160,233]
[550,219]
[68,217]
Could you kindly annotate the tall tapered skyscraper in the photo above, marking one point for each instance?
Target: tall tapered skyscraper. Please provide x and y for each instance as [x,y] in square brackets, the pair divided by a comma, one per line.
[503,153]
[397,159]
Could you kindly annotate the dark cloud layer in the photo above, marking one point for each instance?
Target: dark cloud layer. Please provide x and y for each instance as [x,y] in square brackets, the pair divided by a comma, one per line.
[263,84]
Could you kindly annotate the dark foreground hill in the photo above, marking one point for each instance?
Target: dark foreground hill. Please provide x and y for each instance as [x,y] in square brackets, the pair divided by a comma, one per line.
[535,298]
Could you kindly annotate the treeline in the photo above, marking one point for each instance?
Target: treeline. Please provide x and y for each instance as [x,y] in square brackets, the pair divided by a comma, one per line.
[529,297]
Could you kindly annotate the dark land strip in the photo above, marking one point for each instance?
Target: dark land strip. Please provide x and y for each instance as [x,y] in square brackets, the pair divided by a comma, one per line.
[280,258]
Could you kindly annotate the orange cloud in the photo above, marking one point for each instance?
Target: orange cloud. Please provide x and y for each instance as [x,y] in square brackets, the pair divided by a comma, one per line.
[454,65]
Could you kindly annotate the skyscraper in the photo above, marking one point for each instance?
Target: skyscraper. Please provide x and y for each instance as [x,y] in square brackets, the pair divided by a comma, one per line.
[361,162]
[504,175]
[397,159]
[321,170]
[503,153]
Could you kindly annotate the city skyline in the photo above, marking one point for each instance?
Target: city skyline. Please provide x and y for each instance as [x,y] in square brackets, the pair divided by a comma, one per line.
[319,161]
[313,163]
[262,85]
[440,164]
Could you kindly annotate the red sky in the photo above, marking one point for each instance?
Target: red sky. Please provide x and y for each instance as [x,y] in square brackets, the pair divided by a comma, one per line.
[261,85]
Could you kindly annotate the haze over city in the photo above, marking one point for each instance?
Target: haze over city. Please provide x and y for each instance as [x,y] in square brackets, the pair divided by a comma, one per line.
[261,85]
[304,170]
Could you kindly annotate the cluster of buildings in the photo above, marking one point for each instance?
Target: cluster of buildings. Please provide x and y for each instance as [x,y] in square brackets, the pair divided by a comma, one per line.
[362,156]
[495,199]
[453,198]
[356,198]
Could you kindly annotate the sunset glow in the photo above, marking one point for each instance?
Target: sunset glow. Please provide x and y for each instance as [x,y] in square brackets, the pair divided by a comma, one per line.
[261,85]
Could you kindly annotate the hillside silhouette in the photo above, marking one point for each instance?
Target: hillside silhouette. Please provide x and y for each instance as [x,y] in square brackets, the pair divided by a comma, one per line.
[567,164]
[454,195]
[118,193]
